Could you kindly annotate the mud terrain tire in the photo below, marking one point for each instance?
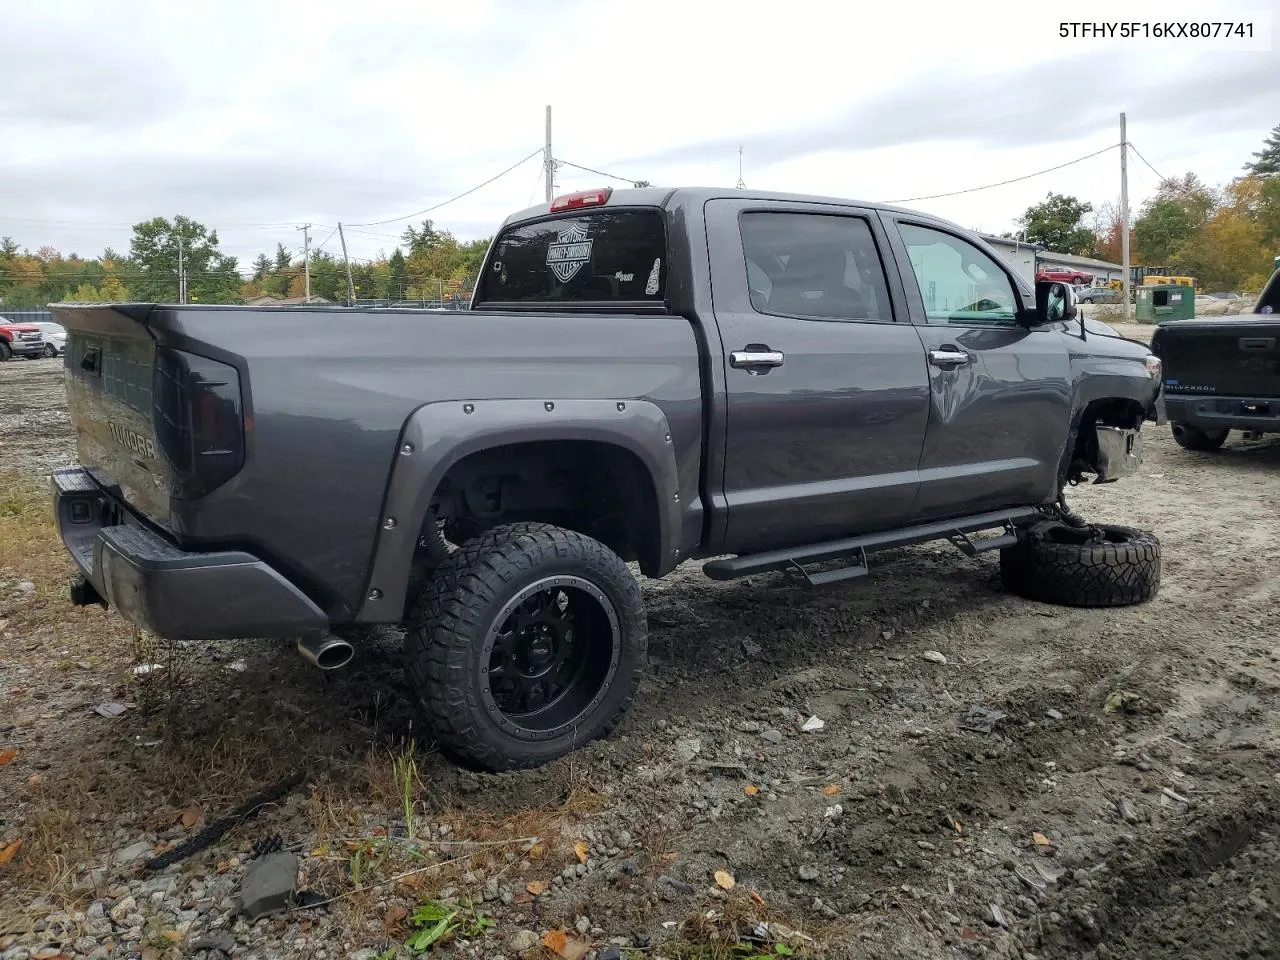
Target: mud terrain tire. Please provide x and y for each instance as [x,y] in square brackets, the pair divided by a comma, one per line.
[432,550]
[1193,438]
[1076,567]
[527,643]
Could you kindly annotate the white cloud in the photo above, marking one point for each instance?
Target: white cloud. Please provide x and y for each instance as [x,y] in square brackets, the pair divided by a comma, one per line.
[241,114]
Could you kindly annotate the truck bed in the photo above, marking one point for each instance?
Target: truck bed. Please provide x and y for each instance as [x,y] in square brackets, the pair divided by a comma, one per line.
[323,394]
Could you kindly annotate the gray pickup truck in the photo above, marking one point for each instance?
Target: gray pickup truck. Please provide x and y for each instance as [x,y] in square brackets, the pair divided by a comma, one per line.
[1223,374]
[767,382]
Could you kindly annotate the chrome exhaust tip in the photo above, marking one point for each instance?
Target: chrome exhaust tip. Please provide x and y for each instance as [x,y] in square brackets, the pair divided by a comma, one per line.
[325,651]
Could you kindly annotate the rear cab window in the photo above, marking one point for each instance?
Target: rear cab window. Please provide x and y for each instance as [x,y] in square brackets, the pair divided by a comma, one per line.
[598,257]
[814,267]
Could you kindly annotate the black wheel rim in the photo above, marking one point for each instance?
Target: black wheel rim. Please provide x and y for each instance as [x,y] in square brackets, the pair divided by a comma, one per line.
[550,655]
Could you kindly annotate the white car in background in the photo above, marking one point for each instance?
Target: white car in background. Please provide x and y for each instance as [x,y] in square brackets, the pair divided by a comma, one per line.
[55,338]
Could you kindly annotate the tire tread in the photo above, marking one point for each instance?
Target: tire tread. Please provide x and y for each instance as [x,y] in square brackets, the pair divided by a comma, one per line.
[1084,575]
[446,622]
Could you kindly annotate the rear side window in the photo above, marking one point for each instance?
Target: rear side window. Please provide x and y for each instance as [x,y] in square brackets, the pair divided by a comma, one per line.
[814,266]
[600,257]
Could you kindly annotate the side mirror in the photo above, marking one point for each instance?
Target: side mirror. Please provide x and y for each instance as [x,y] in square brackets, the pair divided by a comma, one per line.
[1055,302]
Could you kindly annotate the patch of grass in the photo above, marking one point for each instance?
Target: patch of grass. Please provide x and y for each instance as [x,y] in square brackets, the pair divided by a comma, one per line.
[436,923]
[404,770]
[743,927]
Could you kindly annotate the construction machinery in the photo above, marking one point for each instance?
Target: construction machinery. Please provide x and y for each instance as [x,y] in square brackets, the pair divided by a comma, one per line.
[1158,276]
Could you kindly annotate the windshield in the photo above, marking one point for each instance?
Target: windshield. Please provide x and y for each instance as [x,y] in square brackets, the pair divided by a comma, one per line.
[602,256]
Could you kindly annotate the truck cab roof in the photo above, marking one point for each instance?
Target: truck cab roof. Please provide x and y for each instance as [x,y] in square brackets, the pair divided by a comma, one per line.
[668,197]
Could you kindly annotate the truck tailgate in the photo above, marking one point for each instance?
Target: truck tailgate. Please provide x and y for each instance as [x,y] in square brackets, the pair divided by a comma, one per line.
[1237,357]
[151,423]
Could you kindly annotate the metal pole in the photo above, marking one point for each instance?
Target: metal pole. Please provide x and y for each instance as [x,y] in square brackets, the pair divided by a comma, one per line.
[306,256]
[546,156]
[182,276]
[351,287]
[1124,218]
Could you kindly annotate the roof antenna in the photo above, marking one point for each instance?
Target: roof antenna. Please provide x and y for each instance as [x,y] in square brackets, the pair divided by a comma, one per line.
[741,184]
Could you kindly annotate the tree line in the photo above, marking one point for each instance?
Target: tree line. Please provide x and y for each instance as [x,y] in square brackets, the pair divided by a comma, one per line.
[1225,237]
[432,265]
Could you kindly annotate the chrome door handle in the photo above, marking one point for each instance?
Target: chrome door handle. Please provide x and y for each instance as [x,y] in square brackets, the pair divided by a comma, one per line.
[756,358]
[949,358]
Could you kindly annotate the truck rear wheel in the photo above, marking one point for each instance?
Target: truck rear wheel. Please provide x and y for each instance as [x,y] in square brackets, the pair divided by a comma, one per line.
[1098,565]
[528,642]
[1193,438]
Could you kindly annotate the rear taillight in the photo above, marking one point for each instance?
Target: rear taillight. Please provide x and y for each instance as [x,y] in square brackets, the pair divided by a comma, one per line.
[587,198]
[199,417]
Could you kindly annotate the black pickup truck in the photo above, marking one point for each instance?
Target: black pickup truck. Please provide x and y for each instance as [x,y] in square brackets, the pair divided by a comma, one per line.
[1223,374]
[768,382]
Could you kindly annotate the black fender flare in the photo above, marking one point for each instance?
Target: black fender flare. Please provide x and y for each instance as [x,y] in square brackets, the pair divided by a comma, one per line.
[438,435]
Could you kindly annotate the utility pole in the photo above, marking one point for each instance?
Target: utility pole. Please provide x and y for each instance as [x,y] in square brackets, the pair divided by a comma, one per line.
[306,255]
[351,287]
[182,273]
[1124,218]
[546,156]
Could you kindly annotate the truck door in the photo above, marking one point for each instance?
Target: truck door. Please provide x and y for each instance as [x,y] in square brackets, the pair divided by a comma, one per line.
[1000,409]
[826,389]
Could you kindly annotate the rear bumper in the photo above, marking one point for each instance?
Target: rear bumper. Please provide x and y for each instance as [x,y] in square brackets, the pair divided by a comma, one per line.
[1232,413]
[174,593]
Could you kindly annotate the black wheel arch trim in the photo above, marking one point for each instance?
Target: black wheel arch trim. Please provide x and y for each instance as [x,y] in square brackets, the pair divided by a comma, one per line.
[444,432]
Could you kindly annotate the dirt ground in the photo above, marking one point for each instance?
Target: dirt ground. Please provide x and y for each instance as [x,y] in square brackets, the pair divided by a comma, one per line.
[986,806]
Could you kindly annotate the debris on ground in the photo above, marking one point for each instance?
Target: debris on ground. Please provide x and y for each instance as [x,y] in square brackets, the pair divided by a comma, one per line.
[268,885]
[1123,701]
[982,719]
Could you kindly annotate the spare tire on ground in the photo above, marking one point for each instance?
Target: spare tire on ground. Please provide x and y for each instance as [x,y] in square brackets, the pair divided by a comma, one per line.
[1096,565]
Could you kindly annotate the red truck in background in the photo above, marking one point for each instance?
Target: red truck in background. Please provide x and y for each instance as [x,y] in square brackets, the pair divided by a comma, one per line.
[20,340]
[1075,277]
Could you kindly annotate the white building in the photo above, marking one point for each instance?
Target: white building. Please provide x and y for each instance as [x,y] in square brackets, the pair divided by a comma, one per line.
[1018,254]
[1100,269]
[1027,258]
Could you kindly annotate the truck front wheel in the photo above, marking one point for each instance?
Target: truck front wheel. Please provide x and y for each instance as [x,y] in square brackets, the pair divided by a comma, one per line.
[1193,438]
[528,642]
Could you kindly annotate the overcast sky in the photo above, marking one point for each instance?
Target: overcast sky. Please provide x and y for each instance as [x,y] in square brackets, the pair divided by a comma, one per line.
[256,117]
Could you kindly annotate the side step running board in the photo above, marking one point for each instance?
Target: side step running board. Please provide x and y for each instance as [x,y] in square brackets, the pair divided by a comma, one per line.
[855,549]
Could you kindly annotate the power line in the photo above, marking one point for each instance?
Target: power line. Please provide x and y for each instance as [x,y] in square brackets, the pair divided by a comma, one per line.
[956,193]
[444,203]
[399,238]
[542,171]
[1147,162]
[326,240]
[598,173]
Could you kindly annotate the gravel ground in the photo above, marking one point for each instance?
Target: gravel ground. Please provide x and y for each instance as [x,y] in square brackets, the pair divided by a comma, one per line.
[905,827]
